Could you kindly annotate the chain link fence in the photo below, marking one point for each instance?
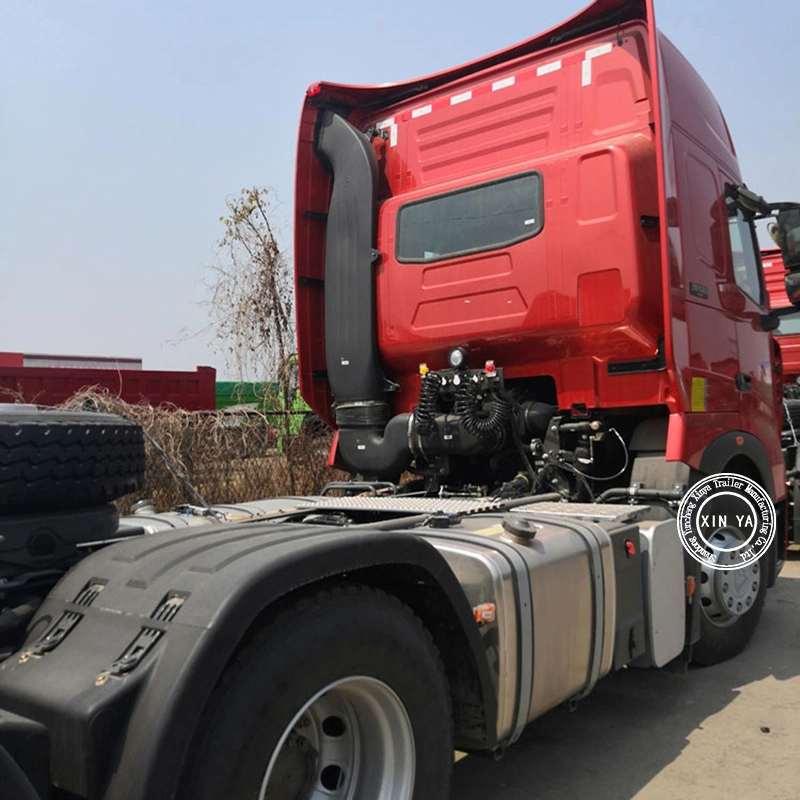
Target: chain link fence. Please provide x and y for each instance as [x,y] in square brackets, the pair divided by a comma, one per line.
[221,456]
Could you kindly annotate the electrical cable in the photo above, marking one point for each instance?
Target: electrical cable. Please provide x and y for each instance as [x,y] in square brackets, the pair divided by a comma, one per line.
[624,466]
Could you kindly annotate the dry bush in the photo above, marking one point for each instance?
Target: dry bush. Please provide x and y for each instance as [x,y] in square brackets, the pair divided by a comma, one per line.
[225,457]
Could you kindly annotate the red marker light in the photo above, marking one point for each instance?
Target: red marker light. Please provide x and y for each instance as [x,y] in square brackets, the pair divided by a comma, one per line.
[484,613]
[313,90]
[630,547]
[490,368]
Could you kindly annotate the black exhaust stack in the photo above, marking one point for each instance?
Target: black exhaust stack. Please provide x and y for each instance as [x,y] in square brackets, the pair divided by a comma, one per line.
[370,442]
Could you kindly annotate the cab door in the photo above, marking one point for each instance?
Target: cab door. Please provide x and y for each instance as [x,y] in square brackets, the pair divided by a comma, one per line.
[754,377]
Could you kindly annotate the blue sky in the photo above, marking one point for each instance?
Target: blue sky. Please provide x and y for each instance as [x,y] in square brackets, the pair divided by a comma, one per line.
[125,124]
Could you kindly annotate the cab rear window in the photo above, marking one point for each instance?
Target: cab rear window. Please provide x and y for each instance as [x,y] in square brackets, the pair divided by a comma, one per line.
[483,217]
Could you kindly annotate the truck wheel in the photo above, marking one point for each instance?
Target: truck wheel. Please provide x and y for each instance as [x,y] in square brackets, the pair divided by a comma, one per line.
[731,602]
[55,460]
[343,696]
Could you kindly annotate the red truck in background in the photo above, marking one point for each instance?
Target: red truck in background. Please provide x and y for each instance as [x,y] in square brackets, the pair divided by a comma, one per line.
[531,281]
[788,332]
[51,380]
[787,337]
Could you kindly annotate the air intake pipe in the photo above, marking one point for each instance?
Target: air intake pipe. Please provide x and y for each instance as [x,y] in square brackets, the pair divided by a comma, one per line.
[370,442]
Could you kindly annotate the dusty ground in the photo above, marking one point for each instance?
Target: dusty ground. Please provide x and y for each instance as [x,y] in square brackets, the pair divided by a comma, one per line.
[730,731]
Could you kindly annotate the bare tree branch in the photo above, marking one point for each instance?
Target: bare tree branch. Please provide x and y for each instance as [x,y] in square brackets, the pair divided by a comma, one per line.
[251,293]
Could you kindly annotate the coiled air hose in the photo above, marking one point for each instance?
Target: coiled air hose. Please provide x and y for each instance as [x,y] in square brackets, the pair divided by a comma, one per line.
[425,412]
[476,420]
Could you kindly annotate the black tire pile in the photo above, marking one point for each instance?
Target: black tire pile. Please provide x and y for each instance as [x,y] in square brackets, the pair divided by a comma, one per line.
[53,460]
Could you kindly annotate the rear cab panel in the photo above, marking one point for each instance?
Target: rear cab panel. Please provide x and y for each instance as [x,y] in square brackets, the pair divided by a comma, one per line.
[583,289]
[580,286]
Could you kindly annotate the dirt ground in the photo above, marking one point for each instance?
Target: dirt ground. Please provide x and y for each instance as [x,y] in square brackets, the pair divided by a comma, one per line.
[729,731]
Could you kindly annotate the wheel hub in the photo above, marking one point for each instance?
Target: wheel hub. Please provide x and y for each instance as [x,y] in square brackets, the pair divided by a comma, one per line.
[727,594]
[351,740]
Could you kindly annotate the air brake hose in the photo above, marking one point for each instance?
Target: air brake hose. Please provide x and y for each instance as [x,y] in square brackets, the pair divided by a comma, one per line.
[473,418]
[425,412]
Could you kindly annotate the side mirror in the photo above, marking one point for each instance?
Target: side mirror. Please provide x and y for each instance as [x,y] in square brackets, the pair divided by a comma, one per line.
[769,322]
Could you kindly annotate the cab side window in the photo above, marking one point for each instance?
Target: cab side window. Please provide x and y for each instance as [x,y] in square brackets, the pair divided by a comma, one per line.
[745,256]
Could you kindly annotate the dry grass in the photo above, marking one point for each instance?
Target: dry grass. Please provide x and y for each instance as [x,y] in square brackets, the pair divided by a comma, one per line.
[227,458]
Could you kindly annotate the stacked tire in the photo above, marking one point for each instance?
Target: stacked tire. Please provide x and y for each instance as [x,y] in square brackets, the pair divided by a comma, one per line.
[53,460]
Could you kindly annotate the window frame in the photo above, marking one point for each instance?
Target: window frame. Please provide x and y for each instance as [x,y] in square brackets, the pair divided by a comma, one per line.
[535,230]
[742,216]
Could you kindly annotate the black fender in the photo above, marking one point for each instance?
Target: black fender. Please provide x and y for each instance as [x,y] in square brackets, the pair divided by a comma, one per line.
[728,446]
[125,736]
[738,443]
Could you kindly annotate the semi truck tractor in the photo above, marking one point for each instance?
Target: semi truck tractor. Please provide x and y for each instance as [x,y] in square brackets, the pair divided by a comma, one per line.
[787,337]
[531,305]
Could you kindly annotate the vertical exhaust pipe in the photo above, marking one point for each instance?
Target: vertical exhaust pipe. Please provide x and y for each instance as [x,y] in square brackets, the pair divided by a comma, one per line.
[370,442]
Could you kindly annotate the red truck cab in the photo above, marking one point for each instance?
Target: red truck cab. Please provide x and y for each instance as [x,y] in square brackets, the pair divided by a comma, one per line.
[564,210]
[788,333]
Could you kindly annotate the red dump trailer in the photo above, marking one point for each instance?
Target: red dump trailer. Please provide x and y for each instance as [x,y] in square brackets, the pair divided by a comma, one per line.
[51,385]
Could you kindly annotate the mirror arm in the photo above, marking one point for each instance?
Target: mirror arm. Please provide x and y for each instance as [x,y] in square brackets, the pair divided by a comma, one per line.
[783,311]
[748,201]
[774,208]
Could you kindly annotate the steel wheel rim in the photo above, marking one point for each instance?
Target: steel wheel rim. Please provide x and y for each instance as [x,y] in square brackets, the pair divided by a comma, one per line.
[353,739]
[726,595]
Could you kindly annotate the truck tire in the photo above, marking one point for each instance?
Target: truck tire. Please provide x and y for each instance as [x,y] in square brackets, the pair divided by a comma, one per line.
[722,638]
[343,695]
[731,603]
[55,460]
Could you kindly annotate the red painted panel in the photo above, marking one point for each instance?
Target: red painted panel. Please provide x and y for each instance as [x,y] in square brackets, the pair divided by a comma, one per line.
[774,273]
[193,391]
[601,298]
[11,359]
[520,305]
